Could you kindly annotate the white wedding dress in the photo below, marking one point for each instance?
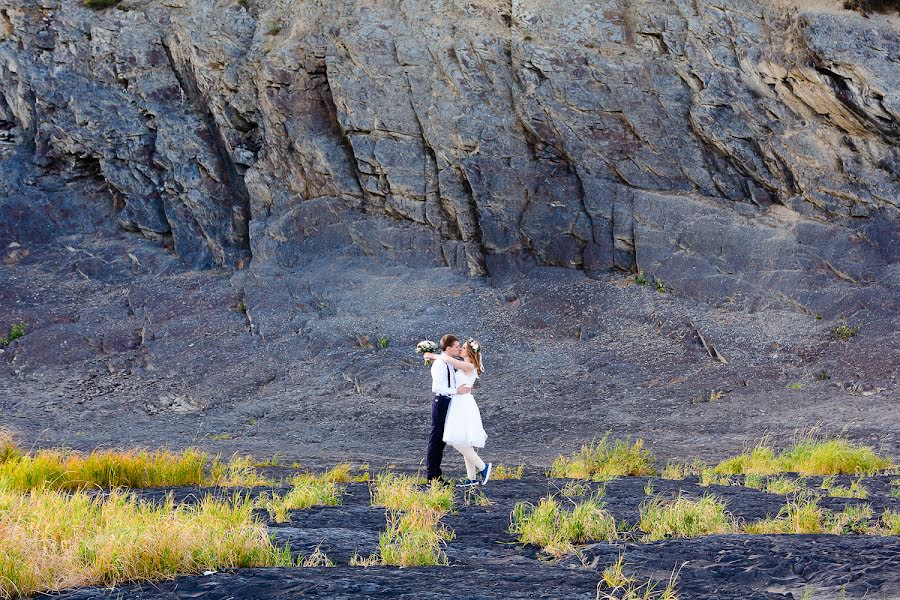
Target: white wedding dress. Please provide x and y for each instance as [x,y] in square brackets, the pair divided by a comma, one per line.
[463,425]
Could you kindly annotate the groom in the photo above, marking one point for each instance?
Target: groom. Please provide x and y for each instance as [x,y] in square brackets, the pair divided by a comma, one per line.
[443,384]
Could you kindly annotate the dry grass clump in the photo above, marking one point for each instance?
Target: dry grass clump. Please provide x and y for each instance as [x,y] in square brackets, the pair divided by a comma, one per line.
[54,540]
[556,529]
[804,515]
[681,517]
[709,477]
[401,492]
[9,449]
[855,490]
[414,538]
[415,535]
[624,587]
[785,485]
[300,497]
[679,471]
[64,470]
[603,460]
[502,472]
[891,522]
[807,457]
[69,470]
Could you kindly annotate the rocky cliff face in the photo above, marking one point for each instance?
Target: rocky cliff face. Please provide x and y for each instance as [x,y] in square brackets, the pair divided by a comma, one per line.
[737,150]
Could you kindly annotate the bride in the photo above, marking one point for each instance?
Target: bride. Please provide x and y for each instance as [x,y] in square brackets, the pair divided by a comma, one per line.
[463,429]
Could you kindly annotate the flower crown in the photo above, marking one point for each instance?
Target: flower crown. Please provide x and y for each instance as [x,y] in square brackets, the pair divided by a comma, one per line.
[474,345]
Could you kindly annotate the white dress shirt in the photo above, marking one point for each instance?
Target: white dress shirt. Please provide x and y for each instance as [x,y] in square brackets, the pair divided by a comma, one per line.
[439,370]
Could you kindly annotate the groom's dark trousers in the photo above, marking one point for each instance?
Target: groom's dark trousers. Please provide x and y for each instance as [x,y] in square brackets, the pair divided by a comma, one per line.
[436,443]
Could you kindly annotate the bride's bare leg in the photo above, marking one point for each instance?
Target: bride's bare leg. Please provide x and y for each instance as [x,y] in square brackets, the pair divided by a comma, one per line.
[474,464]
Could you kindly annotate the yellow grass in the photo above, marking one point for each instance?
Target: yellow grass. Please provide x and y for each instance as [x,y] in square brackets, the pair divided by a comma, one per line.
[54,540]
[404,493]
[681,517]
[807,457]
[891,522]
[556,529]
[69,470]
[624,587]
[502,472]
[414,539]
[9,449]
[605,459]
[308,490]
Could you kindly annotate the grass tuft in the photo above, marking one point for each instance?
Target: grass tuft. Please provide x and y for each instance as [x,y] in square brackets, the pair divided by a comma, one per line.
[68,470]
[15,332]
[805,516]
[9,447]
[681,517]
[502,472]
[624,587]
[891,522]
[603,459]
[414,539]
[404,493]
[855,490]
[54,540]
[556,529]
[807,457]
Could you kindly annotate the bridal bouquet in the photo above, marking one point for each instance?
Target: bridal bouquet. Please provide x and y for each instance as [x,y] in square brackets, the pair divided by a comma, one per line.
[426,346]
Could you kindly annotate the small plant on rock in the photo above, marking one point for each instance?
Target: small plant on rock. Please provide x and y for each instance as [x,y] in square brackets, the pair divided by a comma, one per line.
[844,331]
[640,278]
[15,332]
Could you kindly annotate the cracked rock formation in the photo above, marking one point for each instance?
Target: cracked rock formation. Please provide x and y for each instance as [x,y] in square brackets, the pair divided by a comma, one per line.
[740,151]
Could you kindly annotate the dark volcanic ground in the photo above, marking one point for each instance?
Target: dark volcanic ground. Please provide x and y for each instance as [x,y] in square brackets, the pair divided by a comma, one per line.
[126,346]
[486,561]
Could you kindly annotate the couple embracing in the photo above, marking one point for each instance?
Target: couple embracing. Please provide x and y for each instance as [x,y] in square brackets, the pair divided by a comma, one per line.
[455,418]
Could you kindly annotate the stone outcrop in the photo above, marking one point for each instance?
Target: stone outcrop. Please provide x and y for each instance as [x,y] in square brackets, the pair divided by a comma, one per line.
[739,151]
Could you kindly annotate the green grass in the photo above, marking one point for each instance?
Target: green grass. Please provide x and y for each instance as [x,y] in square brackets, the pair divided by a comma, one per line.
[69,470]
[15,332]
[239,471]
[556,529]
[709,477]
[414,539]
[855,490]
[895,488]
[640,278]
[502,472]
[623,587]
[807,457]
[785,485]
[403,493]
[55,540]
[603,459]
[9,448]
[891,522]
[681,517]
[844,331]
[803,515]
